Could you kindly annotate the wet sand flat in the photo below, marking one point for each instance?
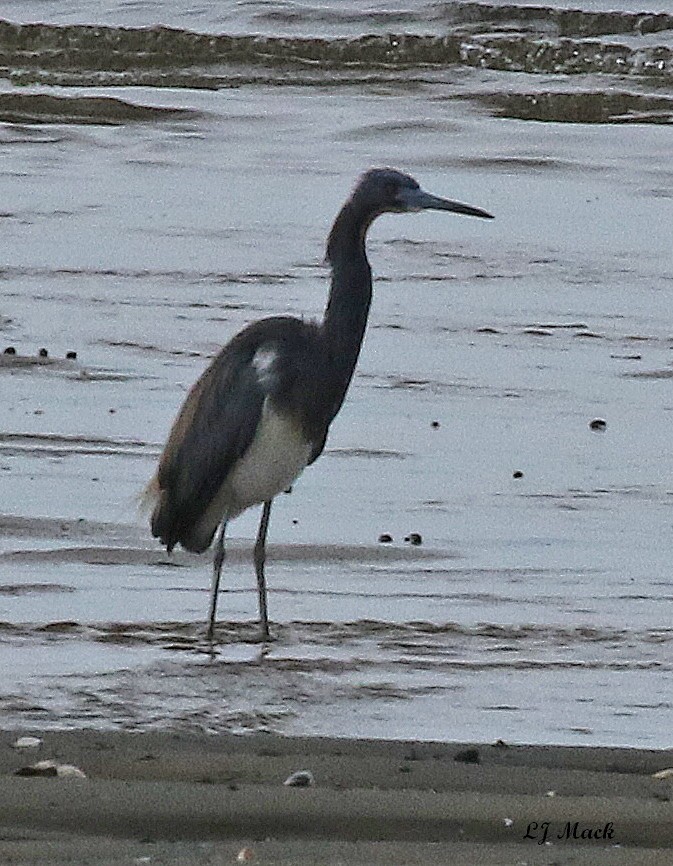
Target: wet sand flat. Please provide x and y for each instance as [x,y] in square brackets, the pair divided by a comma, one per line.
[170,174]
[167,798]
[99,628]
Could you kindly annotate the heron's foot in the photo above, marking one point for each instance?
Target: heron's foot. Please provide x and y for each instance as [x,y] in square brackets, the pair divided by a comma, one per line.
[262,635]
[265,636]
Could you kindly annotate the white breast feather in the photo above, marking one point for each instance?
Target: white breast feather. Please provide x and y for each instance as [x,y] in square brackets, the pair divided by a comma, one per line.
[276,457]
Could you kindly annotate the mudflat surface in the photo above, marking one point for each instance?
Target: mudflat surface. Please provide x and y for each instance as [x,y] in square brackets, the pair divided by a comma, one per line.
[162,188]
[202,799]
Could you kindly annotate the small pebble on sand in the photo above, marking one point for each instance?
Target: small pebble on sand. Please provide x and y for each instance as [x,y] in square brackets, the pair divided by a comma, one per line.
[300,779]
[71,356]
[517,474]
[43,353]
[414,538]
[385,538]
[468,756]
[43,768]
[598,424]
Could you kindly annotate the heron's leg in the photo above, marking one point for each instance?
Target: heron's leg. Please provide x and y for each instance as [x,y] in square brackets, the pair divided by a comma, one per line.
[260,557]
[218,559]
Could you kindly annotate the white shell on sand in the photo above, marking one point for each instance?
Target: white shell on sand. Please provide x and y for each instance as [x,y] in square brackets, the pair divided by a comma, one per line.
[70,771]
[664,774]
[245,855]
[300,779]
[27,743]
[52,768]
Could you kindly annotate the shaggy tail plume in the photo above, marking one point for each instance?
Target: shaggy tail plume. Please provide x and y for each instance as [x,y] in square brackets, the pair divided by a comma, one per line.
[171,526]
[148,497]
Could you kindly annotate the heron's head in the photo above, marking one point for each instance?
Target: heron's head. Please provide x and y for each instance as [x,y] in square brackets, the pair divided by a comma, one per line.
[385,190]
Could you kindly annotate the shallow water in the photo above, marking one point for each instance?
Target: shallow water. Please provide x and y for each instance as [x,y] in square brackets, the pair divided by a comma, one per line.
[161,189]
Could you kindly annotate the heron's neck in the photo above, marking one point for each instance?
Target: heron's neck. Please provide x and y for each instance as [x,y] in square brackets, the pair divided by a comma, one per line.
[351,291]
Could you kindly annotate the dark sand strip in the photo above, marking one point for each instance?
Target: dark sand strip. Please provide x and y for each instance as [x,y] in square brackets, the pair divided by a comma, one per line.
[199,799]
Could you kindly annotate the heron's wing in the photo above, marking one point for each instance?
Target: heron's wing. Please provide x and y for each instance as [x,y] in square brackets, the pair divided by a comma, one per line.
[215,427]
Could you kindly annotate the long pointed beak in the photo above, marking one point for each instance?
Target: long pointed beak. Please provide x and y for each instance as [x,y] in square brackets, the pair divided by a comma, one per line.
[418,199]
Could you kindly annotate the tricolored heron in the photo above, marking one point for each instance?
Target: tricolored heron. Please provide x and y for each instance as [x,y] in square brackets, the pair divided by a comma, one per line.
[261,411]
